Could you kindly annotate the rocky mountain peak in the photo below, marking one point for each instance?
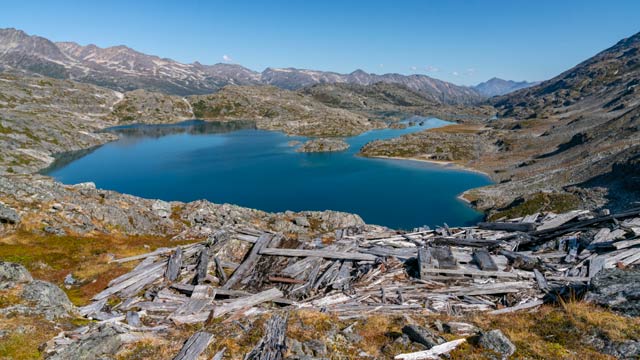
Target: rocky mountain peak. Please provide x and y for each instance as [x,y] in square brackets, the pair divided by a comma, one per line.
[122,68]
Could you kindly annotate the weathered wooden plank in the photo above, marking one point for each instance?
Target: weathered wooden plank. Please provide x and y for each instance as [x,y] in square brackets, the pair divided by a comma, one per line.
[520,261]
[484,261]
[194,346]
[160,251]
[202,266]
[626,244]
[149,275]
[318,253]
[473,273]
[444,257]
[222,275]
[425,261]
[433,353]
[327,276]
[505,226]
[249,261]
[528,305]
[201,296]
[486,289]
[530,218]
[158,306]
[541,280]
[343,276]
[543,235]
[285,280]
[631,259]
[247,302]
[174,265]
[560,219]
[272,346]
[219,355]
[188,289]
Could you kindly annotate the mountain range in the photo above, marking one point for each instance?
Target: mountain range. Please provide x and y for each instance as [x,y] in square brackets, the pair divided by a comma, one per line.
[496,86]
[122,68]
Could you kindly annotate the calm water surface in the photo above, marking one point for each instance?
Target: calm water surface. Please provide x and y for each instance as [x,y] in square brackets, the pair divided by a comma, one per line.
[236,163]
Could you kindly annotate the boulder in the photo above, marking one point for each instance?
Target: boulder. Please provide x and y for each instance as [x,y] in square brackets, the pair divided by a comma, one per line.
[460,328]
[301,221]
[422,336]
[8,215]
[48,299]
[498,342]
[616,289]
[103,343]
[12,274]
[161,208]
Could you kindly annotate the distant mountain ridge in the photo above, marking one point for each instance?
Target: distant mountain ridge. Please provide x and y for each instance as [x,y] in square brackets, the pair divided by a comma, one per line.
[496,86]
[122,68]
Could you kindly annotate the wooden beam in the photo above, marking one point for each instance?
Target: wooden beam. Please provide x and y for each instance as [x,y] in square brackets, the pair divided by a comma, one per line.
[202,266]
[249,262]
[194,346]
[318,253]
[523,227]
[247,302]
[484,260]
[174,265]
[433,353]
[527,305]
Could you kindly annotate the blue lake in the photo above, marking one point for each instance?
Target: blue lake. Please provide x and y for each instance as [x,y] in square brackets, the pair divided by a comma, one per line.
[238,164]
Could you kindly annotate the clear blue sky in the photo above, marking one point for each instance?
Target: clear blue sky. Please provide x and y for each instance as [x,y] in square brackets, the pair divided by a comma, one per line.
[464,42]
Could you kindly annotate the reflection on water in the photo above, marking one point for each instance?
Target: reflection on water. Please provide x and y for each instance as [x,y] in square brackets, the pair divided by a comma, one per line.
[193,127]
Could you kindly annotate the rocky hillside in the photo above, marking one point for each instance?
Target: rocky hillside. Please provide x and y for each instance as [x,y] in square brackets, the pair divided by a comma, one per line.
[279,109]
[496,86]
[43,116]
[392,101]
[574,136]
[124,69]
[376,97]
[605,83]
[437,90]
[142,106]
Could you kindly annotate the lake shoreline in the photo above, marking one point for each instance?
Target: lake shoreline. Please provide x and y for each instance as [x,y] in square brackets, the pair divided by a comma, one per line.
[445,164]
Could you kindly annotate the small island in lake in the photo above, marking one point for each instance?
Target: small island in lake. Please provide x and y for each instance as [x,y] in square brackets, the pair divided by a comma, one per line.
[323,145]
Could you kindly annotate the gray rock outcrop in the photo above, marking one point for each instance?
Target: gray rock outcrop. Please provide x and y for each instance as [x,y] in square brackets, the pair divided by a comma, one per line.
[12,274]
[498,342]
[102,343]
[48,299]
[8,215]
[422,336]
[617,289]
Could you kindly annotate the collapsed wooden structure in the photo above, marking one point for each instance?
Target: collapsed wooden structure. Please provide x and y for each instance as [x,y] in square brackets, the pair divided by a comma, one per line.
[497,267]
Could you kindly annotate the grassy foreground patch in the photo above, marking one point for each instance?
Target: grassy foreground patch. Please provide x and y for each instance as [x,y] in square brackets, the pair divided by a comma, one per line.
[51,258]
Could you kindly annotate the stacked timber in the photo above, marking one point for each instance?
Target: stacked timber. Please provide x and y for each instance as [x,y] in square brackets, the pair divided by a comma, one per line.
[495,267]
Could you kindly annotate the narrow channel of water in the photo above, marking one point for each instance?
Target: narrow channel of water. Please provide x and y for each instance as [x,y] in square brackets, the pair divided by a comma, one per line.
[238,164]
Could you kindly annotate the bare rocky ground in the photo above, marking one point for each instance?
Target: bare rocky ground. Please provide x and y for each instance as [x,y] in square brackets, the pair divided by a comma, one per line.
[276,109]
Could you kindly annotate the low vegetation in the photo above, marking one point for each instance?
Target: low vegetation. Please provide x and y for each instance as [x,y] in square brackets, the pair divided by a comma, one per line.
[87,259]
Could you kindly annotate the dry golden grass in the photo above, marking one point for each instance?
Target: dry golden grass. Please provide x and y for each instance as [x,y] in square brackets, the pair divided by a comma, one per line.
[26,335]
[51,258]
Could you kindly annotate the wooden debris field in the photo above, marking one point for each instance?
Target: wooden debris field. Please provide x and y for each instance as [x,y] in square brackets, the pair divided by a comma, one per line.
[498,267]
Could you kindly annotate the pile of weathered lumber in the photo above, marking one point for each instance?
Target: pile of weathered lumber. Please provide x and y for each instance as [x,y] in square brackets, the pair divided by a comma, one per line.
[497,267]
